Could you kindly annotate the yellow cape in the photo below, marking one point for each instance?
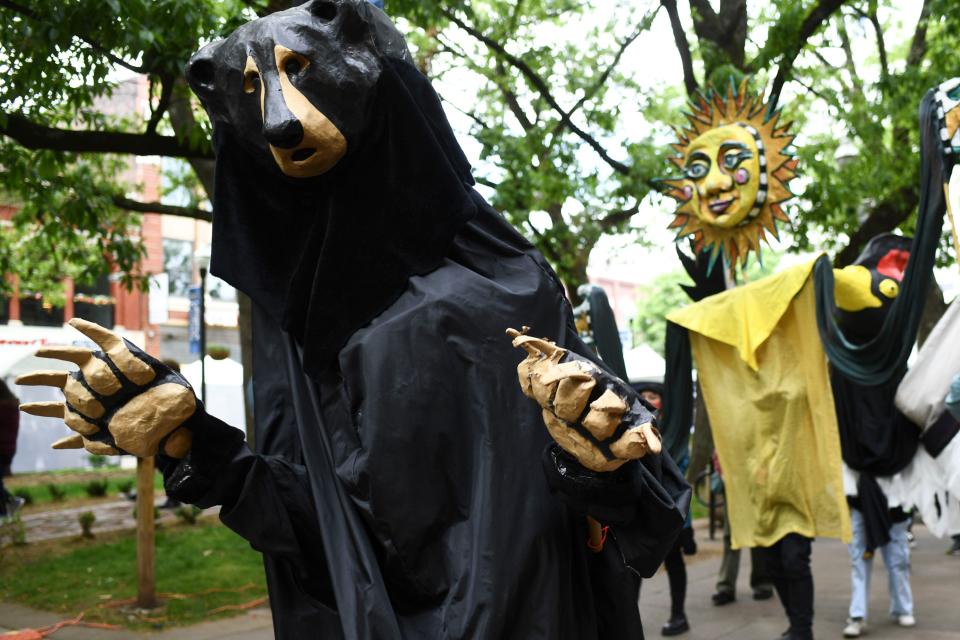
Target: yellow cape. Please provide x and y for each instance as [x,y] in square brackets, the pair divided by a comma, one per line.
[766,386]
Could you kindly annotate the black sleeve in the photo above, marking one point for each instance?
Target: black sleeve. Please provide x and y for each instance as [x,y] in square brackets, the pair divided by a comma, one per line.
[644,502]
[265,499]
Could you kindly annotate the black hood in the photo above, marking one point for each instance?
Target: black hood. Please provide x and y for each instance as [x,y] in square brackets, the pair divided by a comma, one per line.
[324,255]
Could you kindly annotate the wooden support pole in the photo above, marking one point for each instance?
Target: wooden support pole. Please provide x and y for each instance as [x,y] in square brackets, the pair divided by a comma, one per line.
[953,220]
[146,543]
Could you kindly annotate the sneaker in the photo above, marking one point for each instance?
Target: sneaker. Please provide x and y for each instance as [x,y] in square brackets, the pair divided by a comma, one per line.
[721,598]
[855,628]
[905,621]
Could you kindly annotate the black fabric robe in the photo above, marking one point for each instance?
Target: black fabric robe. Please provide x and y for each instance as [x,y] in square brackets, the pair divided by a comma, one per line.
[402,485]
[401,494]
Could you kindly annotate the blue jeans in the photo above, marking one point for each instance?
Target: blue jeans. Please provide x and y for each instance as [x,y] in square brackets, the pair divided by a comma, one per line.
[896,557]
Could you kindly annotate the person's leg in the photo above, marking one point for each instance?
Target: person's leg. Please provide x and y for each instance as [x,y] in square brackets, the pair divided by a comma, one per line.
[770,566]
[760,584]
[729,570]
[860,568]
[5,497]
[896,555]
[677,575]
[795,558]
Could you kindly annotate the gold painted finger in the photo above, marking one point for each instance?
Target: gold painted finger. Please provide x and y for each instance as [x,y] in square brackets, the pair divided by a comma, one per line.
[102,336]
[43,409]
[76,355]
[78,423]
[100,378]
[178,444]
[80,398]
[100,448]
[70,442]
[135,369]
[43,378]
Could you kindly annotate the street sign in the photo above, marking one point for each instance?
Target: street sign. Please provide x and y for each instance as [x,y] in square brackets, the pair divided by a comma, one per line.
[193,324]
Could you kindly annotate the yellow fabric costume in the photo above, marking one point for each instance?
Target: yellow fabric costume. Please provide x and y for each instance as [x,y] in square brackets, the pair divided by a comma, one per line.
[765,382]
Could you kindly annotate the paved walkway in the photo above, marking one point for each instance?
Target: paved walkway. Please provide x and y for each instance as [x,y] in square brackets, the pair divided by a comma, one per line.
[935,581]
[936,587]
[110,516]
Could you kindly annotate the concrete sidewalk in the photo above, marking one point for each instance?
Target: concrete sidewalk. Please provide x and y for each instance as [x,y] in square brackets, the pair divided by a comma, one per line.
[935,582]
[255,624]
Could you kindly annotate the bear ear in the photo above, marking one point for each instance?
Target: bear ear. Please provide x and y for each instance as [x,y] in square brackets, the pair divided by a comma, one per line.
[325,10]
[353,24]
[201,71]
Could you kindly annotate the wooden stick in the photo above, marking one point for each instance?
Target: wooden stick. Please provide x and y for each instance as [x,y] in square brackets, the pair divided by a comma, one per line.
[146,539]
[953,222]
[596,535]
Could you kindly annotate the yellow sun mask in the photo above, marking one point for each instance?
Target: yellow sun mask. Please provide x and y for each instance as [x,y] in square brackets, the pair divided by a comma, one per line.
[735,168]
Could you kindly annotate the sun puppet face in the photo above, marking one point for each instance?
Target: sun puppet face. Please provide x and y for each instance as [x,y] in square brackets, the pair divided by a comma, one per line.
[735,172]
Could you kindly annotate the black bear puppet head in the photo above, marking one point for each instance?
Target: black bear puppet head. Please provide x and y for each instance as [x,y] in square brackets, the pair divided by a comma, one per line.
[297,85]
[338,176]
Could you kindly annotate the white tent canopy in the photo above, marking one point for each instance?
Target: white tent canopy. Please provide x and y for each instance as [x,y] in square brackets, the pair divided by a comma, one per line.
[643,363]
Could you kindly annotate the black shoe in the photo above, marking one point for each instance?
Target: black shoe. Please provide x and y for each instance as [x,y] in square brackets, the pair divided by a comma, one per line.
[675,626]
[721,598]
[762,594]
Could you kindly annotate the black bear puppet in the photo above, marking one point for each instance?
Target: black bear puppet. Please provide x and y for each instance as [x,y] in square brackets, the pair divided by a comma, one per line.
[402,485]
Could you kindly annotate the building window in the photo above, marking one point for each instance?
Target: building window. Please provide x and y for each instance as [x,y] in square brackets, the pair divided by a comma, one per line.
[94,303]
[35,312]
[178,263]
[4,310]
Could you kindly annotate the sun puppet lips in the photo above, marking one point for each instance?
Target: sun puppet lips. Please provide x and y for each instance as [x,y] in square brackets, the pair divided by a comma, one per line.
[719,206]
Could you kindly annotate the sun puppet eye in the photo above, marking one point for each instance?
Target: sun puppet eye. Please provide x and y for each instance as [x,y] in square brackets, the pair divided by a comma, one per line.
[696,170]
[733,160]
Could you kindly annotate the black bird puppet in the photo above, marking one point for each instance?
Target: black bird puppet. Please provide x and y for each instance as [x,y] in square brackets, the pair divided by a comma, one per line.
[402,484]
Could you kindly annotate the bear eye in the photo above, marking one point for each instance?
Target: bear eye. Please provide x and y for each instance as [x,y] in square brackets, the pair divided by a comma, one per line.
[292,67]
[251,81]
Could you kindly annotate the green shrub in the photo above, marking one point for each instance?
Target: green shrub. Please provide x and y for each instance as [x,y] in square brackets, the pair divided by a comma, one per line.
[86,520]
[97,461]
[125,486]
[188,513]
[25,494]
[96,488]
[218,351]
[57,493]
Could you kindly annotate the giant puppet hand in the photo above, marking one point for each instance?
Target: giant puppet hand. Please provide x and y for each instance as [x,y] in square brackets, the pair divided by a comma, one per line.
[119,401]
[614,429]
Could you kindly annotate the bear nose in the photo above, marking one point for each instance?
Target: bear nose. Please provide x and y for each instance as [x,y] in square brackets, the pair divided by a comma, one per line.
[281,128]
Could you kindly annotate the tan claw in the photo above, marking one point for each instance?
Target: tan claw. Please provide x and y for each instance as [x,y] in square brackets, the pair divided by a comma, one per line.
[43,378]
[70,442]
[44,409]
[138,371]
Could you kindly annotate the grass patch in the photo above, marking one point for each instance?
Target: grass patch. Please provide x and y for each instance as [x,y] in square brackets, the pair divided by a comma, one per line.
[73,486]
[209,564]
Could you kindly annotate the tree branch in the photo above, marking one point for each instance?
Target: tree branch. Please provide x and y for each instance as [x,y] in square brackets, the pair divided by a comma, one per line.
[36,136]
[109,55]
[616,218]
[605,75]
[683,47]
[511,98]
[158,207]
[918,46]
[163,102]
[881,45]
[808,27]
[540,85]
